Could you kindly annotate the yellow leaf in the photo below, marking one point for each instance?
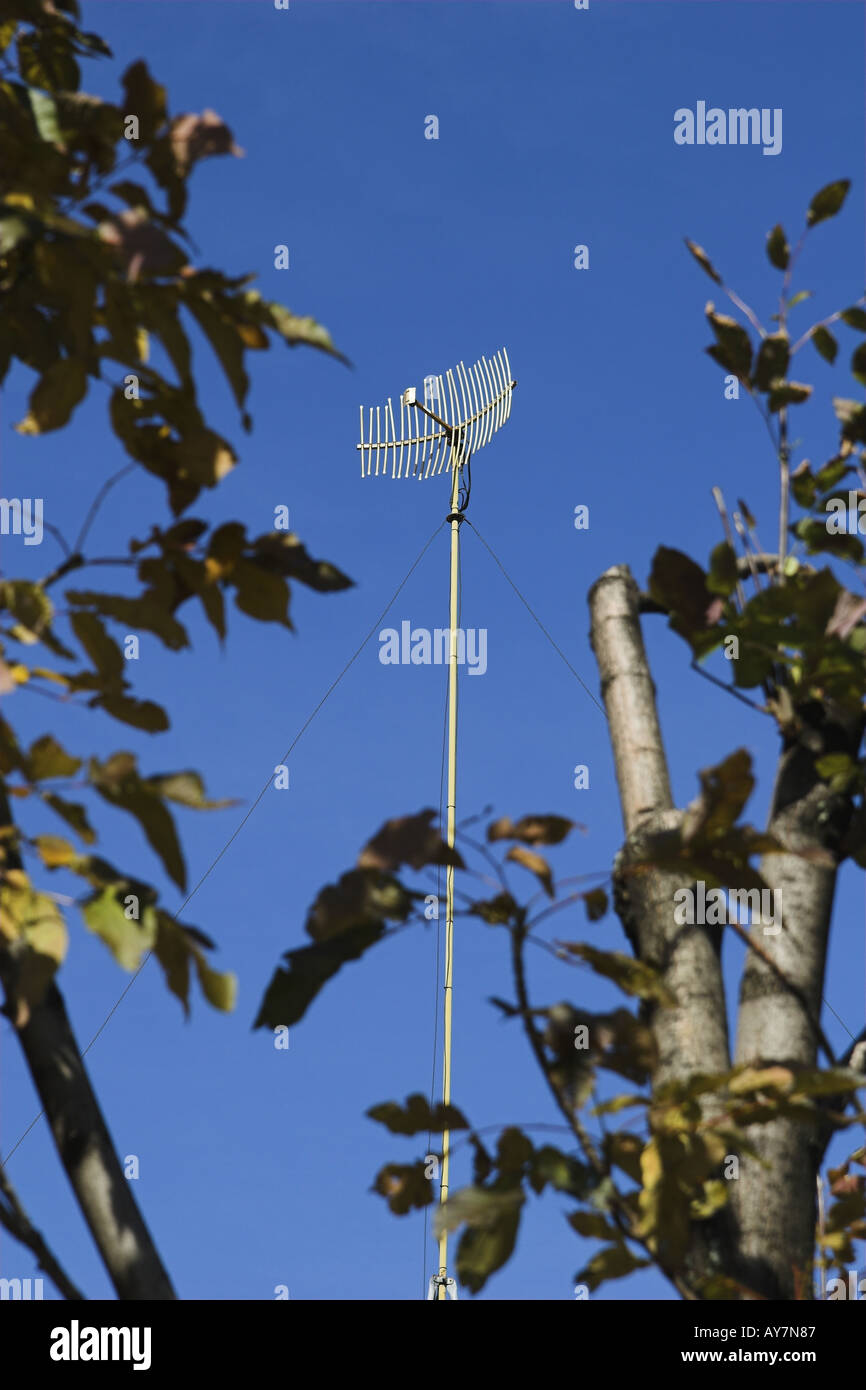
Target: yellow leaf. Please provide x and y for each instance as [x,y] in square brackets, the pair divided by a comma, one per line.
[762,1078]
[46,675]
[715,1195]
[54,851]
[536,865]
[31,918]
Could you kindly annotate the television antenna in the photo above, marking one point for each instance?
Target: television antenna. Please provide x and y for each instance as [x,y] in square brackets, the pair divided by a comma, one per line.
[475,406]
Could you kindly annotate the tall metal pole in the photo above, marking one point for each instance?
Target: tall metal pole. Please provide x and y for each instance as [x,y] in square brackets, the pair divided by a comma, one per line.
[455,517]
[477,404]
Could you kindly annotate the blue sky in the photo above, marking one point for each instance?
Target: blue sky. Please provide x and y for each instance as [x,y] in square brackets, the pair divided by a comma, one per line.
[555,129]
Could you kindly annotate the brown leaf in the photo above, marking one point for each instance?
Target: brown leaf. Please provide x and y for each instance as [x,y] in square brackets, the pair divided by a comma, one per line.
[535,863]
[196,137]
[846,615]
[144,247]
[411,840]
[532,830]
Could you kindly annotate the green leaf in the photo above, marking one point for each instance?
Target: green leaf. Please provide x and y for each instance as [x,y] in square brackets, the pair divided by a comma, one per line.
[294,330]
[825,343]
[818,540]
[677,582]
[139,714]
[595,902]
[703,260]
[858,364]
[223,336]
[778,249]
[788,393]
[118,782]
[613,1262]
[55,852]
[220,988]
[159,314]
[592,1225]
[100,647]
[484,1249]
[798,298]
[733,348]
[54,397]
[855,317]
[32,609]
[260,594]
[722,577]
[8,30]
[624,1150]
[187,789]
[45,115]
[150,612]
[135,195]
[105,914]
[513,1151]
[73,813]
[417,1117]
[496,911]
[835,1081]
[282,552]
[405,1187]
[852,415]
[551,1167]
[176,949]
[34,924]
[772,360]
[360,897]
[492,1218]
[832,472]
[827,202]
[293,989]
[837,769]
[13,229]
[144,98]
[46,758]
[632,976]
[45,60]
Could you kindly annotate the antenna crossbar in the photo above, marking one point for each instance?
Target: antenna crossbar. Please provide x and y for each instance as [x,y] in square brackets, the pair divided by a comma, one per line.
[475,406]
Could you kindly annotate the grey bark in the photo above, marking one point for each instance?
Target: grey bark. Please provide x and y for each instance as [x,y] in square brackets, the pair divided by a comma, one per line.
[775,1207]
[692,1036]
[764,1238]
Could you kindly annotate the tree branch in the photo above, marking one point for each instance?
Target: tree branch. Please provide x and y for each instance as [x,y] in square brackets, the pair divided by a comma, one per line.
[80,1133]
[18,1224]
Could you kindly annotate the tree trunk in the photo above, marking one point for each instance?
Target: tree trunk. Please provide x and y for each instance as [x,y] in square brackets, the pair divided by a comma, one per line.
[774,1206]
[764,1238]
[80,1132]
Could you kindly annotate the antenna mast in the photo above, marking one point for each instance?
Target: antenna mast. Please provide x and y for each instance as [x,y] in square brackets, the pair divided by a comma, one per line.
[477,405]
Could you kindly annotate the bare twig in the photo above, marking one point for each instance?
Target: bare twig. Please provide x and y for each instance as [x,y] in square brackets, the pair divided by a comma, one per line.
[728,689]
[99,499]
[749,313]
[744,541]
[56,532]
[19,1225]
[729,537]
[784,489]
